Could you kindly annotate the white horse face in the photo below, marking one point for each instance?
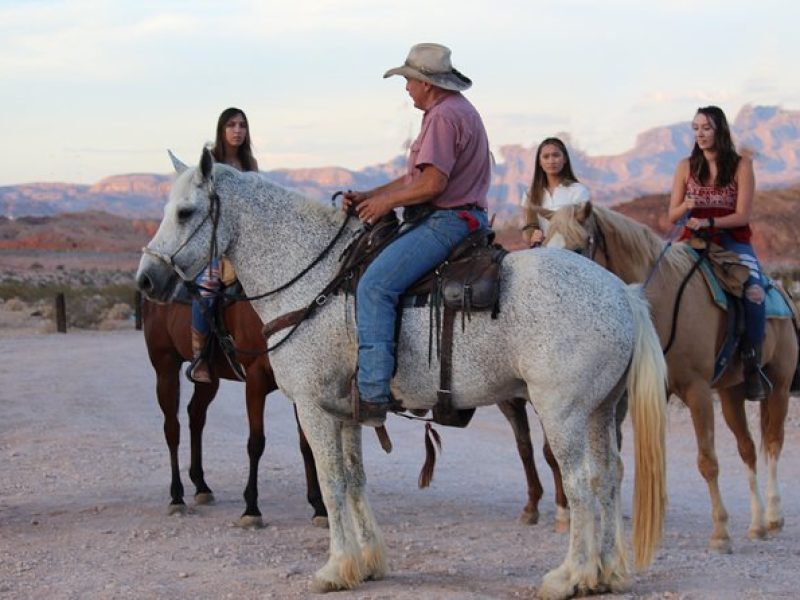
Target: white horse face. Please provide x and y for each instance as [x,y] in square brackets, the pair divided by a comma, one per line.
[181,247]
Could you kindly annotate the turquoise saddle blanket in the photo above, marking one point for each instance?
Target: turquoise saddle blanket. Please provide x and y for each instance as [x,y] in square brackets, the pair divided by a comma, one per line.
[777,306]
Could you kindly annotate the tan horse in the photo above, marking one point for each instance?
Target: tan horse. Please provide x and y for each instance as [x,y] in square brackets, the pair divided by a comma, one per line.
[630,250]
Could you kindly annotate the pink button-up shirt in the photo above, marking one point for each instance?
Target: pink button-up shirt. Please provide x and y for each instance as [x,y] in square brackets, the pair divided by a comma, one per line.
[453,139]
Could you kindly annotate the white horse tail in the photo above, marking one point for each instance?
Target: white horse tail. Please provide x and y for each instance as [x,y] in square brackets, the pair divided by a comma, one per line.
[647,398]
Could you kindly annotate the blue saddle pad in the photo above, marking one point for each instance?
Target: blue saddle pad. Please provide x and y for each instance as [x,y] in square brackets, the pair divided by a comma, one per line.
[777,306]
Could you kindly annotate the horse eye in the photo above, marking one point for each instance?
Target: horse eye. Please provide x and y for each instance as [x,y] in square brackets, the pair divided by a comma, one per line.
[184,214]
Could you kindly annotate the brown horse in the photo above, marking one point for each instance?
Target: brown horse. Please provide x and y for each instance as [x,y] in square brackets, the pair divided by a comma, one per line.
[168,338]
[631,250]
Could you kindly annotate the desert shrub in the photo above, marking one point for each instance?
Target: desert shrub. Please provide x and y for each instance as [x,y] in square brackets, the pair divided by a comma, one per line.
[87,305]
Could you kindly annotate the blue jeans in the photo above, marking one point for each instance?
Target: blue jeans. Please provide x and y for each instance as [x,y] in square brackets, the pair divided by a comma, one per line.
[398,266]
[203,307]
[754,312]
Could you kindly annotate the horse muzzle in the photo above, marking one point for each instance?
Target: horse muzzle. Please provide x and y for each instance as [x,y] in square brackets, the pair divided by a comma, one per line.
[155,280]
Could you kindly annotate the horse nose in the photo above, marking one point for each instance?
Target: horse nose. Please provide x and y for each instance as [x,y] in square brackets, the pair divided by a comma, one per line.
[144,283]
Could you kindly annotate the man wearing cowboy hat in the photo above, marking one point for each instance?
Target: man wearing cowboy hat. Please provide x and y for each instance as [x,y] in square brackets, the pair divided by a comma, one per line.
[449,171]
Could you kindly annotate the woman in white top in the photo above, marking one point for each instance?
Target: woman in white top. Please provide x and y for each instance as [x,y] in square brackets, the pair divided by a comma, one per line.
[554,185]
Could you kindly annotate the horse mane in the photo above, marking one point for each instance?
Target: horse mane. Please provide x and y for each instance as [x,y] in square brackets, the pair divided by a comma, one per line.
[260,184]
[639,241]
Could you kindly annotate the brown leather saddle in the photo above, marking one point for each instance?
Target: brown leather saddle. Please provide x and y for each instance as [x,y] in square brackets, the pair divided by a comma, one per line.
[467,281]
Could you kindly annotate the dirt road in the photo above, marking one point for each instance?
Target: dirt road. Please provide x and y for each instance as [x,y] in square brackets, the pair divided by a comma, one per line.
[84,478]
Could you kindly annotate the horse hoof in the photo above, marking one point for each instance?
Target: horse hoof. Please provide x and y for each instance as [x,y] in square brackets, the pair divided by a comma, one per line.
[250,522]
[757,533]
[721,546]
[529,518]
[323,586]
[321,522]
[204,498]
[177,509]
[775,525]
[561,527]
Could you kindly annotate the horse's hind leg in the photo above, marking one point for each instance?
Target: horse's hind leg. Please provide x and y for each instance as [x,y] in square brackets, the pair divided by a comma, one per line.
[343,570]
[198,407]
[370,539]
[580,570]
[607,480]
[313,493]
[516,414]
[732,402]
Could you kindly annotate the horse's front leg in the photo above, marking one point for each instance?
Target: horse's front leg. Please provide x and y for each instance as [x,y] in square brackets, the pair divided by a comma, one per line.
[313,493]
[256,388]
[732,402]
[168,394]
[198,408]
[370,539]
[343,570]
[697,396]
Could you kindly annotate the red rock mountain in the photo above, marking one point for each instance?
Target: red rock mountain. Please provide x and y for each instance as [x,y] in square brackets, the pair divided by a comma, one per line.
[771,133]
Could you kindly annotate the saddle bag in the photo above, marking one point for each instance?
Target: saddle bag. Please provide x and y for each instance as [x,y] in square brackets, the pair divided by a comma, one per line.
[469,280]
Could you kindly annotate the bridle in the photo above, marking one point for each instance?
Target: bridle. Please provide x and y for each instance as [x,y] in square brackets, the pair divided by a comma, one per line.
[169,259]
[596,239]
[213,214]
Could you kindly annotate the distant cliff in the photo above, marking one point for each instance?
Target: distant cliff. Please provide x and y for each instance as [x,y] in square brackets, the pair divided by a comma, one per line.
[771,133]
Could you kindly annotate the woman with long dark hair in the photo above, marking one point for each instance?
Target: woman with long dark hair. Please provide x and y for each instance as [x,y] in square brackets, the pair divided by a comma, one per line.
[713,191]
[231,147]
[554,185]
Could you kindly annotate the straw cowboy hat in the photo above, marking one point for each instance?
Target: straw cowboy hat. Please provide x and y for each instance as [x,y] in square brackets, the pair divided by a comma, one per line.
[431,63]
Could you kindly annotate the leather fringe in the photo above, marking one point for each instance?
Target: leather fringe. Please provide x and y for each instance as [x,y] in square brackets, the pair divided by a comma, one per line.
[426,474]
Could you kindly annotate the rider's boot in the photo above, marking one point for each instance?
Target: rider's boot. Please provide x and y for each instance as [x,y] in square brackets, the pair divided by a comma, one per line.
[198,370]
[756,384]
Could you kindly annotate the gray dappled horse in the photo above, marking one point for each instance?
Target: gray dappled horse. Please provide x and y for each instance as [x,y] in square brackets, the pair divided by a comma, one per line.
[570,336]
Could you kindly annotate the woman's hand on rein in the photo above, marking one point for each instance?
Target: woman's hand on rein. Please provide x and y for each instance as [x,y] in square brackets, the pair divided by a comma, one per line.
[696,224]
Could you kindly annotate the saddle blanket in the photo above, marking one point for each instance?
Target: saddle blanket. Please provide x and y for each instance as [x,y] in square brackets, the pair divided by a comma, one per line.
[779,305]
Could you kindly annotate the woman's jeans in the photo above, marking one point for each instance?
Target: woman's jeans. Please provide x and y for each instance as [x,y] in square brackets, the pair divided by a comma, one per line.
[404,261]
[209,282]
[754,312]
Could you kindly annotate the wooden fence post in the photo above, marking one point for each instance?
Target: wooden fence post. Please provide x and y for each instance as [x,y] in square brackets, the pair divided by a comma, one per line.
[61,313]
[137,309]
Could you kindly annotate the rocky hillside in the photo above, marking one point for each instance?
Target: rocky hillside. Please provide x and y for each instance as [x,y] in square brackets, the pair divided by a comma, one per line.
[772,134]
[85,232]
[776,224]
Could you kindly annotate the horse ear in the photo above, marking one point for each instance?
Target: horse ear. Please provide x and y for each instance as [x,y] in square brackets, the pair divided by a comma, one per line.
[583,212]
[180,167]
[206,164]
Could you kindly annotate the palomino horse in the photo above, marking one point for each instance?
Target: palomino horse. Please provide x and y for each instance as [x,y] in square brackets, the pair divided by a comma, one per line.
[594,340]
[630,250]
[168,339]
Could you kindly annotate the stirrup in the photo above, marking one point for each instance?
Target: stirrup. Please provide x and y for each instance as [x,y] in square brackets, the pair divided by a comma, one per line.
[192,366]
[229,350]
[763,383]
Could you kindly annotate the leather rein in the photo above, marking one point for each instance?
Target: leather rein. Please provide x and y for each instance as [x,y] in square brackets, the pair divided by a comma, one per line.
[293,318]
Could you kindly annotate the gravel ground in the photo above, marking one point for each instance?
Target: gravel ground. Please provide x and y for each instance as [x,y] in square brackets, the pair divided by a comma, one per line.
[85,477]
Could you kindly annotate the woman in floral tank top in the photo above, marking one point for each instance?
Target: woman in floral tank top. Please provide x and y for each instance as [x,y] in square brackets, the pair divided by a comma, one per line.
[713,190]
